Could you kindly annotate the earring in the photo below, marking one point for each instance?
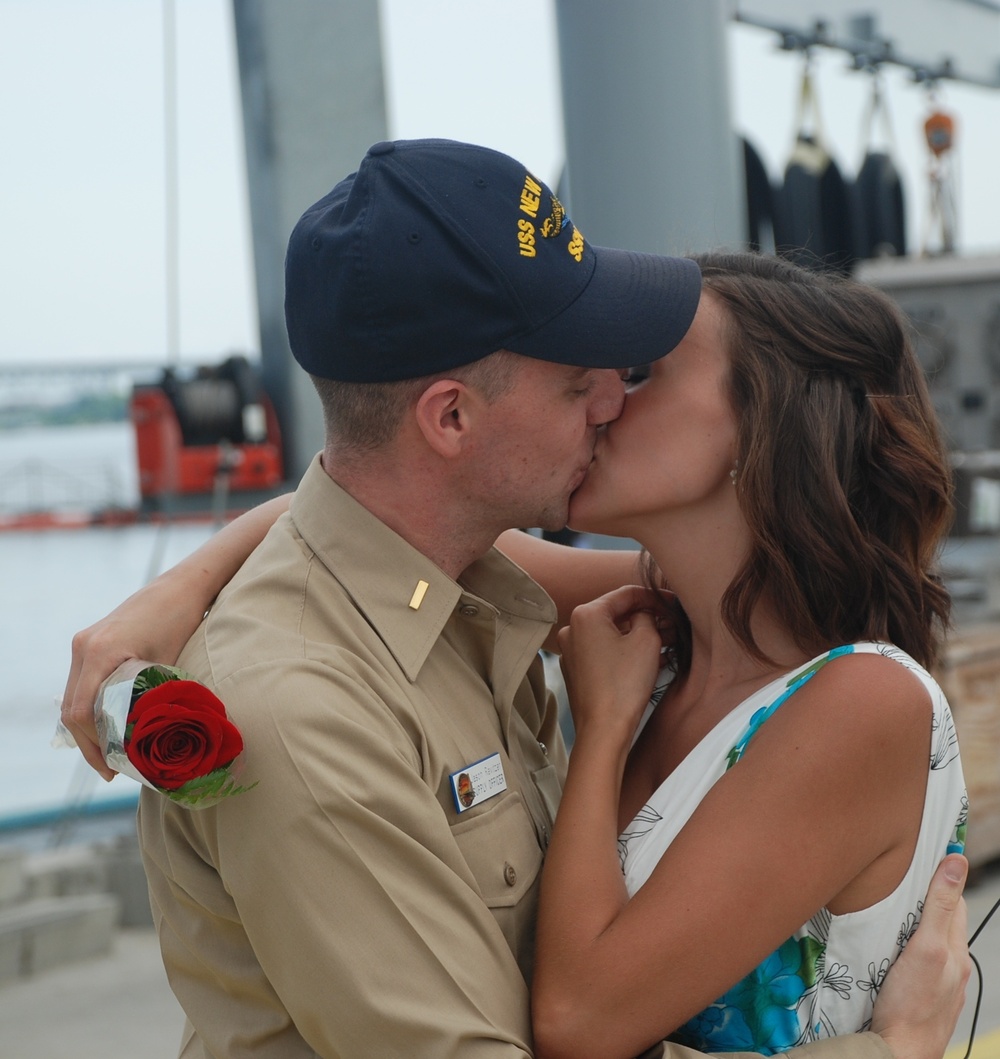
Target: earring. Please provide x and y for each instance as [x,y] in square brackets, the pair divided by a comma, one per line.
[734,472]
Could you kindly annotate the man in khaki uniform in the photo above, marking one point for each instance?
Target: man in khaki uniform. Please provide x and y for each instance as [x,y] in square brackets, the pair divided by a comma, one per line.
[375,893]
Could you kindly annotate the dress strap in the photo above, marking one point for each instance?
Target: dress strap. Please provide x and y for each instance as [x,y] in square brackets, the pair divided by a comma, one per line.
[760,716]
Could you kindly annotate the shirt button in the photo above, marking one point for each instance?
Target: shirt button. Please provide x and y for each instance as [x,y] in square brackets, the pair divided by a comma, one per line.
[467,610]
[509,874]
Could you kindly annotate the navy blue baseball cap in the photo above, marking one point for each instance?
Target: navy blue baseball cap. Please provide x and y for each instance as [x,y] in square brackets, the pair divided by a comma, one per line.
[435,254]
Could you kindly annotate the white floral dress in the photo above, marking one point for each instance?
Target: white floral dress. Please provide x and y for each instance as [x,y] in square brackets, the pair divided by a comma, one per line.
[822,981]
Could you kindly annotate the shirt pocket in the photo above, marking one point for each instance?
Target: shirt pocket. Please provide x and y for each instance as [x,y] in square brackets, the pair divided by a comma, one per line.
[501,849]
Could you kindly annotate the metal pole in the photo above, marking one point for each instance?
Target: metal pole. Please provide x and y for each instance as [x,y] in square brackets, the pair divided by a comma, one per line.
[653,162]
[171,183]
[313,103]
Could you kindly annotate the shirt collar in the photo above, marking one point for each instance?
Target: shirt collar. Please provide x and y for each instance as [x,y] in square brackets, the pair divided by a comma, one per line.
[381,572]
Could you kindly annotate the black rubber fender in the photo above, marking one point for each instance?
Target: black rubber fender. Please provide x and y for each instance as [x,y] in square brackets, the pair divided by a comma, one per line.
[814,216]
[879,208]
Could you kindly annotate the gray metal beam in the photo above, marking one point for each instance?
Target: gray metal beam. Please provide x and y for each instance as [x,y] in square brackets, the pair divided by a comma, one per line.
[652,160]
[313,102]
[935,40]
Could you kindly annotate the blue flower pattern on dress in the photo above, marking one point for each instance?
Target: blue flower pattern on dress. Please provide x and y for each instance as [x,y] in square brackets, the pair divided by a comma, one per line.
[760,1013]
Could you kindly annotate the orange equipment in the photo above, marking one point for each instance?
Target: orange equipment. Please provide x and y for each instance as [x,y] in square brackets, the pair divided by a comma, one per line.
[193,434]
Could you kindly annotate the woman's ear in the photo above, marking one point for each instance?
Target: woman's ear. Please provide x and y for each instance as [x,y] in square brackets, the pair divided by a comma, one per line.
[443,416]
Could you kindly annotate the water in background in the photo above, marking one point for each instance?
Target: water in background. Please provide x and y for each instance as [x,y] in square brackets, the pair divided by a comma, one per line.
[55,582]
[71,469]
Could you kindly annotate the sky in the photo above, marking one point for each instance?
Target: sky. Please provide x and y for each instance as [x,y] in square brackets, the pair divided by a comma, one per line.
[82,209]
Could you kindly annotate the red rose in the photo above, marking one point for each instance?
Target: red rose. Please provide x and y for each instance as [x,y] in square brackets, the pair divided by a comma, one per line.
[178,731]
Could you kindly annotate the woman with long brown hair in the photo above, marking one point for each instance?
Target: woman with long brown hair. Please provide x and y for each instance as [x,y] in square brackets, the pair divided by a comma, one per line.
[795,777]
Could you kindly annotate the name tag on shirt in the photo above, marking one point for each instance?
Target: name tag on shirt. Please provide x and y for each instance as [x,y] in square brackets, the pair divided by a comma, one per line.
[477,782]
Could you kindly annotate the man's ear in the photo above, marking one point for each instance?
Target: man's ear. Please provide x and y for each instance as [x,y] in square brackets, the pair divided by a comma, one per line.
[443,415]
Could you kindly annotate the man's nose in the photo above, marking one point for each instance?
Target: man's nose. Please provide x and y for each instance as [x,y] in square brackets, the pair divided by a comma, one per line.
[608,397]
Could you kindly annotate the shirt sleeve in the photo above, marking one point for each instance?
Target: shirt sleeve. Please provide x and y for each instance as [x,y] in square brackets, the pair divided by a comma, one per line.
[329,910]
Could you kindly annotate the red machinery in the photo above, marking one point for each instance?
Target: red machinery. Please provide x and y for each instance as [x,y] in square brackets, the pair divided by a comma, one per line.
[216,431]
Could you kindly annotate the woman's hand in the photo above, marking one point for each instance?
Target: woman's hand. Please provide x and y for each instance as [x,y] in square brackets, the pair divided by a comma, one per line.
[610,658]
[156,622]
[152,624]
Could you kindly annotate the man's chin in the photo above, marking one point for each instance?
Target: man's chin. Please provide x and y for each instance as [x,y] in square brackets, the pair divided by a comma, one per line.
[553,519]
[553,525]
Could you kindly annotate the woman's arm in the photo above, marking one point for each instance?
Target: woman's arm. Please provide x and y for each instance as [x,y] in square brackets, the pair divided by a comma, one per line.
[157,621]
[829,792]
[571,576]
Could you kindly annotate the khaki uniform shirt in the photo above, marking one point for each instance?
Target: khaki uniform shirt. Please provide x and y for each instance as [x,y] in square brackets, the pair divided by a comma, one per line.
[344,907]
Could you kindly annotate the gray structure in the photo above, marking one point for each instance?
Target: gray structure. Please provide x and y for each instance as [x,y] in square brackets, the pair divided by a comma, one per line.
[652,160]
[313,102]
[954,306]
[937,40]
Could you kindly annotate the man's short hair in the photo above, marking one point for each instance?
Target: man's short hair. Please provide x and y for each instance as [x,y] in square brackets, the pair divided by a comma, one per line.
[364,416]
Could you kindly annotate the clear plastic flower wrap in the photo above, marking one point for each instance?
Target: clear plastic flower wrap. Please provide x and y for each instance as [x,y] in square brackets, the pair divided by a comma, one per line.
[160,726]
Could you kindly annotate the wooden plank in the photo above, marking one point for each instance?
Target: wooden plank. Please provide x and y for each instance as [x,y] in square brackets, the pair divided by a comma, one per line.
[970,676]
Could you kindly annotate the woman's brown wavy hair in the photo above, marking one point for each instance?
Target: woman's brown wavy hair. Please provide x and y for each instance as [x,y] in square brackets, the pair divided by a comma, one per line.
[842,476]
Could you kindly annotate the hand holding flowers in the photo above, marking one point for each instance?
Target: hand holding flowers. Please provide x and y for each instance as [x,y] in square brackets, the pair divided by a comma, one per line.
[163,728]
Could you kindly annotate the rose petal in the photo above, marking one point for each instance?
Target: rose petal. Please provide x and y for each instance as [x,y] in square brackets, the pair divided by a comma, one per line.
[180,693]
[175,738]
